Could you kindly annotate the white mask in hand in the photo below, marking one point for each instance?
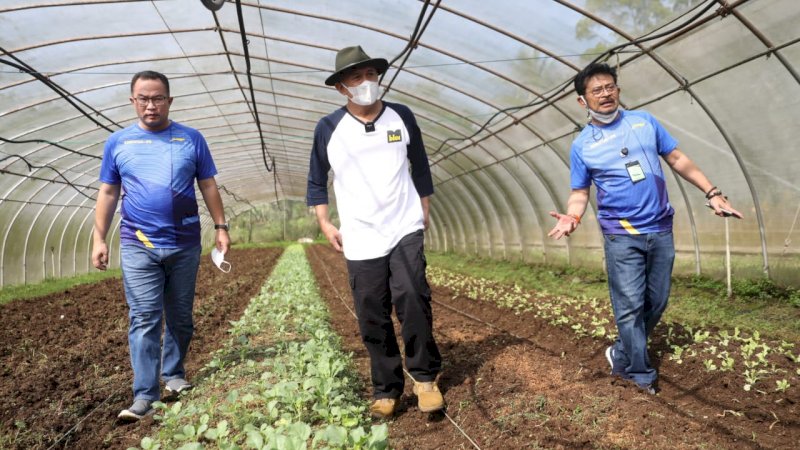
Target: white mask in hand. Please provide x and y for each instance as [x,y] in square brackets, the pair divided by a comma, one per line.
[219,260]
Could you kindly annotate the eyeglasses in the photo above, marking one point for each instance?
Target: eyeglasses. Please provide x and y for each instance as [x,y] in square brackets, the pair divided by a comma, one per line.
[610,88]
[158,100]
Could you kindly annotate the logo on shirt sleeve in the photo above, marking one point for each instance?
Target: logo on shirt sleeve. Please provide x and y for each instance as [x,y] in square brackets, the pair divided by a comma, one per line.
[394,136]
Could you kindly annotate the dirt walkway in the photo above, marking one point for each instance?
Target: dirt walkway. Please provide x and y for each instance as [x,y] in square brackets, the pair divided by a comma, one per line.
[64,361]
[522,384]
[528,384]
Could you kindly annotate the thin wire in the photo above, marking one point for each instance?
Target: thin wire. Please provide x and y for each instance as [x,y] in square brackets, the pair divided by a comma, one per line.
[66,95]
[68,432]
[42,141]
[341,299]
[32,166]
[788,239]
[410,39]
[413,41]
[31,202]
[222,188]
[553,92]
[294,72]
[277,117]
[416,42]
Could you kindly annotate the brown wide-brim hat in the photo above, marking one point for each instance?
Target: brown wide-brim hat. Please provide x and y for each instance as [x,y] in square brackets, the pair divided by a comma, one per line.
[352,57]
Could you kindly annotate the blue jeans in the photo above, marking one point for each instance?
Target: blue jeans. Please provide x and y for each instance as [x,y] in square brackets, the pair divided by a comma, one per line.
[639,270]
[158,282]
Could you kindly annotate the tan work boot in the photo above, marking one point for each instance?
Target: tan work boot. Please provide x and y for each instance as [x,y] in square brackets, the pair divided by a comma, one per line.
[383,408]
[428,396]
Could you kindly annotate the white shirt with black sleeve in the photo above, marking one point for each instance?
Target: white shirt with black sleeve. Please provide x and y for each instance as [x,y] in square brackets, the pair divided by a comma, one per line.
[380,171]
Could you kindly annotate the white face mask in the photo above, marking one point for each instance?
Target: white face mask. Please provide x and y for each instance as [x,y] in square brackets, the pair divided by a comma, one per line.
[364,94]
[604,118]
[219,260]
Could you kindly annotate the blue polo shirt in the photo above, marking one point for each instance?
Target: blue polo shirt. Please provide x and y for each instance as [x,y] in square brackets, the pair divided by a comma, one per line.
[157,171]
[622,160]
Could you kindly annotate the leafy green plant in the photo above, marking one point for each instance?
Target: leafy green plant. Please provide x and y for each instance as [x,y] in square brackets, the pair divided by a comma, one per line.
[293,383]
[586,315]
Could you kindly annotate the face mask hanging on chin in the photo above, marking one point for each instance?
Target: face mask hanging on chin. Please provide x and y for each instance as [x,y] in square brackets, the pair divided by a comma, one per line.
[604,118]
[365,93]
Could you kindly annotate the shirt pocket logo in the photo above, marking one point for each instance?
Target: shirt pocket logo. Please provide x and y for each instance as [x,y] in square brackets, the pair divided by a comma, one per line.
[394,136]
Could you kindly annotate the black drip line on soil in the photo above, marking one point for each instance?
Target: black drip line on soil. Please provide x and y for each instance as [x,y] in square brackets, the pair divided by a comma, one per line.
[341,299]
[77,424]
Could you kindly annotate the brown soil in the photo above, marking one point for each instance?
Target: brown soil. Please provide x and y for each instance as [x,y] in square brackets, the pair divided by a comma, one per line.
[510,381]
[514,381]
[64,363]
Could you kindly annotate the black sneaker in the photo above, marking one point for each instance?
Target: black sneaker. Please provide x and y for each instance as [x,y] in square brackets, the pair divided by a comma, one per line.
[177,385]
[137,411]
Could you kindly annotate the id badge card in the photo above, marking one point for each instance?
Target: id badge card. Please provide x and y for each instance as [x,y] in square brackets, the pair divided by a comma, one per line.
[635,171]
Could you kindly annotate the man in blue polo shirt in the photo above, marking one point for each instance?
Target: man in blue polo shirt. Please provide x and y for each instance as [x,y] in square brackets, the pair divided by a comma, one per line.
[618,151]
[155,162]
[383,209]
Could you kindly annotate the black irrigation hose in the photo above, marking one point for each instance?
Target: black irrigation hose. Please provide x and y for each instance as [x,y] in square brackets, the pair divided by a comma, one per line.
[54,144]
[245,43]
[555,91]
[66,95]
[412,44]
[222,188]
[32,166]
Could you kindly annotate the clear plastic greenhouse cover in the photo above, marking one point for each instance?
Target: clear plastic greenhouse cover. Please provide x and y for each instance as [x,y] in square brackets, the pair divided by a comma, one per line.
[489,82]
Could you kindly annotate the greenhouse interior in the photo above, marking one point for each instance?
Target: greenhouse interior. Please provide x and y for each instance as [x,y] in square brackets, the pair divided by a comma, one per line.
[491,86]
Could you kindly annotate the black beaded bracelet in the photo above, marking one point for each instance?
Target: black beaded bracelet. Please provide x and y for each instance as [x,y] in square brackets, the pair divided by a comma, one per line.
[710,191]
[713,194]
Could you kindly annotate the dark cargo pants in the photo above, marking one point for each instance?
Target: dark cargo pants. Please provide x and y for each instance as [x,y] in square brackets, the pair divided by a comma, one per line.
[397,279]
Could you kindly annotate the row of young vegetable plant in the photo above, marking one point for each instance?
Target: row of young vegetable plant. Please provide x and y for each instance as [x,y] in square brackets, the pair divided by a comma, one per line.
[762,363]
[281,382]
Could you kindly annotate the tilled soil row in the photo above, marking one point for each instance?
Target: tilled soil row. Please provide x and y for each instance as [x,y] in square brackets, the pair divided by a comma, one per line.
[64,357]
[523,383]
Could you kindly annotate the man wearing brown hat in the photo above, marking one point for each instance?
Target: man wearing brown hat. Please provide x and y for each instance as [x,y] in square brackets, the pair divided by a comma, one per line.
[383,209]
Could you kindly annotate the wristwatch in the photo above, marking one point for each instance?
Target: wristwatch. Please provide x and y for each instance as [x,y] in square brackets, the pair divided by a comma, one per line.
[221,226]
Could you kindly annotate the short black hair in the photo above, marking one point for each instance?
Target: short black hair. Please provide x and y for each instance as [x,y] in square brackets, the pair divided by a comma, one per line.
[150,75]
[591,70]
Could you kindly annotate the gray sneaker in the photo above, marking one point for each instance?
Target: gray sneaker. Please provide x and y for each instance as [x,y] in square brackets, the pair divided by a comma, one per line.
[648,389]
[137,411]
[177,385]
[615,371]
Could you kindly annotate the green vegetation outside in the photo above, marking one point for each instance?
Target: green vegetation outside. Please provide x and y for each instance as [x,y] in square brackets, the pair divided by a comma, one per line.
[756,305]
[51,285]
